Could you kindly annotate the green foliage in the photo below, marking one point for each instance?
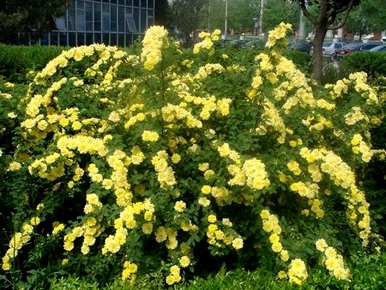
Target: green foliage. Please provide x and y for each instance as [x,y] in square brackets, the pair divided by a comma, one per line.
[373,63]
[368,17]
[17,16]
[17,61]
[134,155]
[368,273]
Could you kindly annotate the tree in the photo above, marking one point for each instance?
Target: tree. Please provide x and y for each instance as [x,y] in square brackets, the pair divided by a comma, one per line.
[279,11]
[162,13]
[186,16]
[368,17]
[325,15]
[28,16]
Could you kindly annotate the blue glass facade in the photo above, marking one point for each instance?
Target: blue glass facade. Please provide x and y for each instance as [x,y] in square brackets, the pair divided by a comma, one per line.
[112,22]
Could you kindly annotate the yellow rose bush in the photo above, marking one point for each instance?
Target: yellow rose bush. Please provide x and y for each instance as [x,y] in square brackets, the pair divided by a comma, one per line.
[158,160]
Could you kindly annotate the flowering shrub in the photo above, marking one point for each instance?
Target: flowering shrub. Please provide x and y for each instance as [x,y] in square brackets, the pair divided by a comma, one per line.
[145,161]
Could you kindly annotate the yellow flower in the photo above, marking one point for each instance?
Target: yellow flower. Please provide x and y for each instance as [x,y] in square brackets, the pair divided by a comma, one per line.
[237,243]
[14,166]
[206,189]
[179,206]
[184,261]
[150,136]
[321,245]
[212,218]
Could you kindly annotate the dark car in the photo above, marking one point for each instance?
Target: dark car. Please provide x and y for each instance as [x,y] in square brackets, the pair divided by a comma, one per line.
[378,48]
[349,48]
[369,45]
[302,46]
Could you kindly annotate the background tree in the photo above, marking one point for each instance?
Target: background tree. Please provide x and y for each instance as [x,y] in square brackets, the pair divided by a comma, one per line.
[162,13]
[325,15]
[369,16]
[240,14]
[28,16]
[279,11]
[187,16]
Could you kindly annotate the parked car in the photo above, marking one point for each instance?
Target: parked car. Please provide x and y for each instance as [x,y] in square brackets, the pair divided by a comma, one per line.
[378,48]
[302,46]
[349,48]
[369,45]
[331,48]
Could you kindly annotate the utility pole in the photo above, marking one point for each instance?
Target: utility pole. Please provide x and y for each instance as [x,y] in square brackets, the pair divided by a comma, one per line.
[208,15]
[301,35]
[261,17]
[226,20]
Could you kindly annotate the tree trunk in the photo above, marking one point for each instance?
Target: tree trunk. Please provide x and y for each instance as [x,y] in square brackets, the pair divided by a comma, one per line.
[320,33]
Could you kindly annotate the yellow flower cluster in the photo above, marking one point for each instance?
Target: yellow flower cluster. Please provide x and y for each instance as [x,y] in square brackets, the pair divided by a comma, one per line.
[277,34]
[207,41]
[129,271]
[14,166]
[92,204]
[354,116]
[154,41]
[18,240]
[169,235]
[84,144]
[342,175]
[333,261]
[220,233]
[150,136]
[165,173]
[174,276]
[172,113]
[208,69]
[57,228]
[256,176]
[297,272]
[271,226]
[359,146]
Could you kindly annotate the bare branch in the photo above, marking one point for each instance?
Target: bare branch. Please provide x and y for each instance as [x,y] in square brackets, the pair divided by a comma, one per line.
[340,25]
[306,13]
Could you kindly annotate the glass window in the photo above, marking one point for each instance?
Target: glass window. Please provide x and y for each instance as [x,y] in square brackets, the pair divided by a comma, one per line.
[135,15]
[105,17]
[150,20]
[121,40]
[143,20]
[143,3]
[54,38]
[44,39]
[113,17]
[121,18]
[105,39]
[113,39]
[71,16]
[130,22]
[81,19]
[129,40]
[71,39]
[60,23]
[63,38]
[89,16]
[150,3]
[81,39]
[97,38]
[97,16]
[136,3]
[89,38]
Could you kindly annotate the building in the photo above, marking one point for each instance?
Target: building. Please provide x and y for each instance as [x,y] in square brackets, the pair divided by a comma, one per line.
[112,22]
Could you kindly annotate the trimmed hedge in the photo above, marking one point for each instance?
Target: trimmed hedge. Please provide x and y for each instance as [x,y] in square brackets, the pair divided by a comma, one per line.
[16,61]
[373,63]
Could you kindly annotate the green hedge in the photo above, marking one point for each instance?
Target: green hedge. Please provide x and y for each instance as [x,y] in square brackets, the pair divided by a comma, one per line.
[373,63]
[368,272]
[16,61]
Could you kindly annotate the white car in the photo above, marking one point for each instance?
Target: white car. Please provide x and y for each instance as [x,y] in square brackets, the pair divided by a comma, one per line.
[330,48]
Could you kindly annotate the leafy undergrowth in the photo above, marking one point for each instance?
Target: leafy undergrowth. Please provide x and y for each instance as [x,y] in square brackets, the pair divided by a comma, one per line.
[368,272]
